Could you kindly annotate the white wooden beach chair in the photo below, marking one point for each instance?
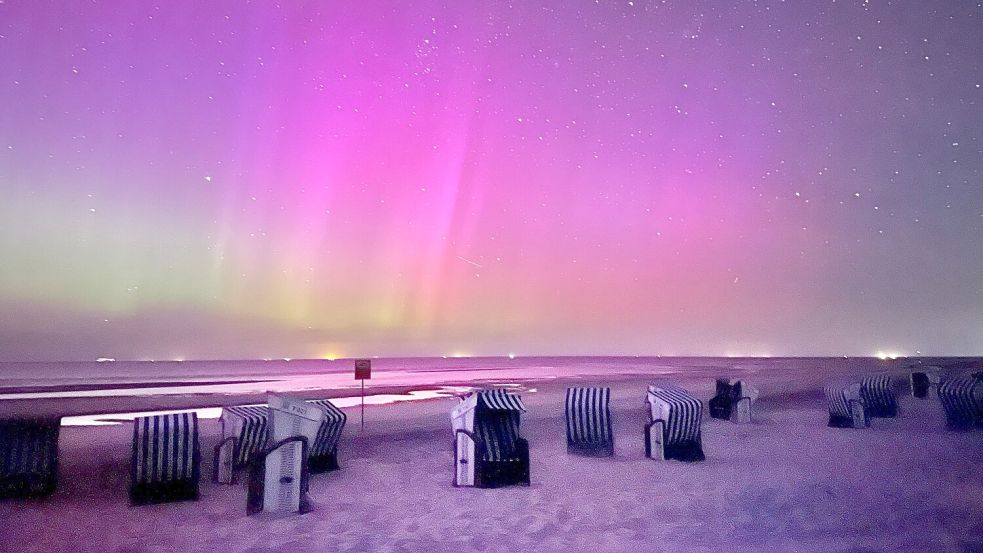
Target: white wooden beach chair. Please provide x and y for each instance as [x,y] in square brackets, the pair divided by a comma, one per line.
[588,417]
[279,475]
[489,450]
[675,423]
[166,459]
[28,457]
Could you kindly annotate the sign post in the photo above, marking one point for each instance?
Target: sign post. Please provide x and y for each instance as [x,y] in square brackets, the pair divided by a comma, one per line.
[363,372]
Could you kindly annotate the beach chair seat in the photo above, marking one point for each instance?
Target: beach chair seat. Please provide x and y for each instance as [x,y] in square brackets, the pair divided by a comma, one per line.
[489,450]
[166,459]
[846,406]
[675,423]
[733,400]
[324,449]
[588,417]
[962,401]
[878,396]
[28,457]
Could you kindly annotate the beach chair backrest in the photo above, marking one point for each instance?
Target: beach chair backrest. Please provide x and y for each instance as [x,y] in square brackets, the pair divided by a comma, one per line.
[588,415]
[165,448]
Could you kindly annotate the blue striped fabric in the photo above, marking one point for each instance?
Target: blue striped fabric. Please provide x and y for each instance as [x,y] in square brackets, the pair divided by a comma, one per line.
[496,424]
[588,416]
[500,400]
[329,433]
[498,432]
[28,451]
[252,438]
[685,414]
[837,401]
[165,448]
[254,434]
[878,396]
[962,400]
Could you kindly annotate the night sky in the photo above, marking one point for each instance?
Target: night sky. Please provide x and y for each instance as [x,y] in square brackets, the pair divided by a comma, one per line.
[235,179]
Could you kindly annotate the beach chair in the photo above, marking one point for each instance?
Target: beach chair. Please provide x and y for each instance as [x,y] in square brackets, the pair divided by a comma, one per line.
[846,406]
[28,457]
[249,425]
[962,401]
[878,396]
[324,449]
[489,450]
[279,475]
[165,465]
[674,427]
[733,400]
[588,416]
[925,382]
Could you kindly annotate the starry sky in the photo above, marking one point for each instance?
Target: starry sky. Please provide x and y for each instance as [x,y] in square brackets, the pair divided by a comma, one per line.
[250,179]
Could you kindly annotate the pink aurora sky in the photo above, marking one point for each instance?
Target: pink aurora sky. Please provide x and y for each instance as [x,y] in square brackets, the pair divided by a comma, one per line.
[305,179]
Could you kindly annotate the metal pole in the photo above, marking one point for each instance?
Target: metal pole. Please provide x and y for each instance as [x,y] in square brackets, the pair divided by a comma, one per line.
[363,404]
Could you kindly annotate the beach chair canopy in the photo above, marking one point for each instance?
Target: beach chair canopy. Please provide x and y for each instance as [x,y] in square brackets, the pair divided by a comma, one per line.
[500,400]
[682,412]
[839,396]
[847,406]
[878,396]
[328,435]
[962,400]
[674,429]
[248,424]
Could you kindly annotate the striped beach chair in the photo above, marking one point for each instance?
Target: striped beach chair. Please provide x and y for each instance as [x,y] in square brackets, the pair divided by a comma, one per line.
[925,382]
[28,457]
[878,396]
[166,458]
[962,401]
[489,450]
[247,424]
[588,415]
[324,450]
[733,400]
[846,406]
[675,420]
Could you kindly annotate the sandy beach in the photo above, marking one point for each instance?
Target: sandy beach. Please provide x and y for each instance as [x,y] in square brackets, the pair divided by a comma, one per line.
[787,482]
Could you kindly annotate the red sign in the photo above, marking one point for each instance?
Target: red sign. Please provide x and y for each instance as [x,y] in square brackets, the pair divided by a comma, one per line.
[363,369]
